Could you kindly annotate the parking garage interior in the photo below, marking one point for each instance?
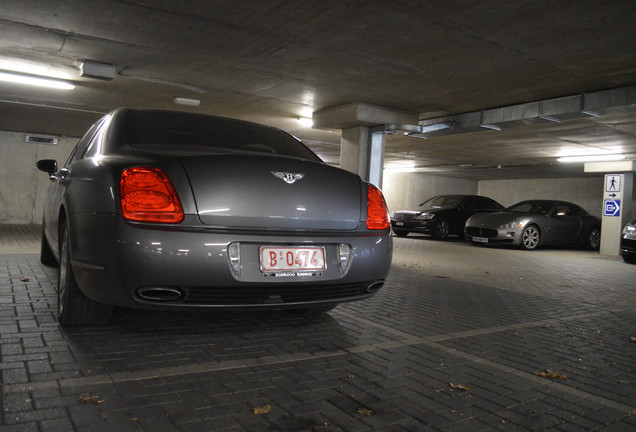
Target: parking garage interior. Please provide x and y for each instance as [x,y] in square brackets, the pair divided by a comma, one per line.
[418,98]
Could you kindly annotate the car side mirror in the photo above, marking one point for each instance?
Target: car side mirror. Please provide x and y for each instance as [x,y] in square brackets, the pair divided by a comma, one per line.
[49,166]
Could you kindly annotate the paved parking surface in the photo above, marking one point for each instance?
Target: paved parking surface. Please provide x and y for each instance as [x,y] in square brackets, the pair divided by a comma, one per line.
[461,338]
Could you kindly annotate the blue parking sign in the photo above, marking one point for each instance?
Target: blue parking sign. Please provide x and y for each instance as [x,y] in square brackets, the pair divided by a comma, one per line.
[612,208]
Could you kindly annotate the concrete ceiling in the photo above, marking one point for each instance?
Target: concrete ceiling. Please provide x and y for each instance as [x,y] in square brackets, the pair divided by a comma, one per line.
[273,62]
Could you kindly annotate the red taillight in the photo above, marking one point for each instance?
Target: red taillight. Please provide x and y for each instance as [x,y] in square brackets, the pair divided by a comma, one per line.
[377,211]
[148,196]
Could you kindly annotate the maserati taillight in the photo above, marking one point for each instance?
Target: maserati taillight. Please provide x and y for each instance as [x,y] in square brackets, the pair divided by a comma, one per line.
[377,211]
[147,195]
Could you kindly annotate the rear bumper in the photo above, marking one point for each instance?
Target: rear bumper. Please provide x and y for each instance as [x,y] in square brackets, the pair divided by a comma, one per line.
[141,266]
[425,227]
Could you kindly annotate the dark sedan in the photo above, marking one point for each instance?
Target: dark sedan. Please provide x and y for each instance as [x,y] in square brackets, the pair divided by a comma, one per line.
[171,210]
[530,224]
[442,215]
[628,243]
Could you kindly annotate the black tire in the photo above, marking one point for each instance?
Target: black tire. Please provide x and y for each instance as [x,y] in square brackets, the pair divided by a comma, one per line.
[530,237]
[441,230]
[400,233]
[74,308]
[629,259]
[46,254]
[593,239]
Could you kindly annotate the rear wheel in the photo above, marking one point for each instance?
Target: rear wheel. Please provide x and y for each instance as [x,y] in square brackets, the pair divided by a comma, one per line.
[73,307]
[594,239]
[441,230]
[530,237]
[400,233]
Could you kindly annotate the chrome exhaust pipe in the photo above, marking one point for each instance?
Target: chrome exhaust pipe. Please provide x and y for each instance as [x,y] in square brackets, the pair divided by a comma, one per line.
[374,287]
[160,294]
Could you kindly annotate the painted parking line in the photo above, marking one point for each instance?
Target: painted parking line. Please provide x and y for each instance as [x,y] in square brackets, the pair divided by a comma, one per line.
[405,339]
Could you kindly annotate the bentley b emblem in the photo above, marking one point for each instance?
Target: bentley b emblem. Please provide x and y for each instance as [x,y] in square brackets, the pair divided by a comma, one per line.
[288,177]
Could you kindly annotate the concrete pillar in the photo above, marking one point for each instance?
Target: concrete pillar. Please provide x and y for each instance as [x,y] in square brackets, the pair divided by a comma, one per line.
[354,151]
[362,150]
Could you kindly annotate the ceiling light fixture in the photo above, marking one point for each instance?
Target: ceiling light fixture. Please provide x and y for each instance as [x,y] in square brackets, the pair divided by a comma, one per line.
[592,158]
[550,119]
[35,81]
[591,113]
[305,121]
[491,126]
[187,101]
[436,127]
[400,166]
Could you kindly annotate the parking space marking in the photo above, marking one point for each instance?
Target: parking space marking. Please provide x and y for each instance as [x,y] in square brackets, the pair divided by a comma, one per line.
[405,339]
[434,342]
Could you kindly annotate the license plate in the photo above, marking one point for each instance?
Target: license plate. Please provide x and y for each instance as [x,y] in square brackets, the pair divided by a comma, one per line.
[292,258]
[480,239]
[399,224]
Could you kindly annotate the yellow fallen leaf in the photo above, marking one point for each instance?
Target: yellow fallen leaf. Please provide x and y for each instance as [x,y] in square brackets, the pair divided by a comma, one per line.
[89,399]
[262,410]
[550,374]
[364,411]
[460,387]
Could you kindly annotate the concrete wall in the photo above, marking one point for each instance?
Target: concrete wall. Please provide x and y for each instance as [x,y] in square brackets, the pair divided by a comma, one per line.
[22,186]
[408,190]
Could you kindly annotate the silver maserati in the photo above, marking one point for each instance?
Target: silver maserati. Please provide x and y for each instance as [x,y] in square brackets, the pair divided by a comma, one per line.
[171,210]
[530,224]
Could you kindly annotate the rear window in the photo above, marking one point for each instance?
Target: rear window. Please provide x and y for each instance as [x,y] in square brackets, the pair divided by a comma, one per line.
[173,129]
[443,201]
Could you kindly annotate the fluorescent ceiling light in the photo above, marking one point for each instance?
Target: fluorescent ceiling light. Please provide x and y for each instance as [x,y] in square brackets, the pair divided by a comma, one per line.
[549,118]
[435,127]
[35,81]
[591,158]
[406,166]
[33,68]
[187,101]
[305,121]
[491,126]
[591,113]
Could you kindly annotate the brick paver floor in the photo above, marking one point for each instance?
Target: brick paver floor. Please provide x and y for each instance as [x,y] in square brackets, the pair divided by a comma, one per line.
[461,338]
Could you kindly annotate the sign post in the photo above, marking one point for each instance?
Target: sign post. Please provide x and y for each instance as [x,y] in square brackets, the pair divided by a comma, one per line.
[617,194]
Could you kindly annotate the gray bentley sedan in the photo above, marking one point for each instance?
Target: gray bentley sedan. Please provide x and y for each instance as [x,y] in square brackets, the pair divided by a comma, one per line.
[171,210]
